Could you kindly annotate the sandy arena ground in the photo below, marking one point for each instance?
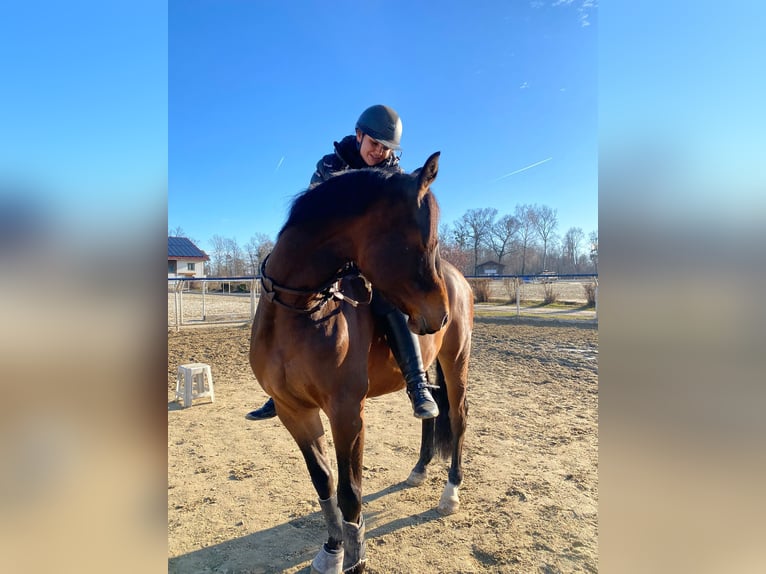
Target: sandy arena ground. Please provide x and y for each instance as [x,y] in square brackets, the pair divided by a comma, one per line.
[240,500]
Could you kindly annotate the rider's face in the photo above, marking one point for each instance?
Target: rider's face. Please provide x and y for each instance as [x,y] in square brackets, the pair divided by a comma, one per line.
[372,151]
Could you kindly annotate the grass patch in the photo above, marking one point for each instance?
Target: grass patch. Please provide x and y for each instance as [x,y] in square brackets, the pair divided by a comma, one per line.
[561,310]
[490,313]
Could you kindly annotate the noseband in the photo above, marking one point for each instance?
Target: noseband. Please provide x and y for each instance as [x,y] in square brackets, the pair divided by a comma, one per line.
[331,289]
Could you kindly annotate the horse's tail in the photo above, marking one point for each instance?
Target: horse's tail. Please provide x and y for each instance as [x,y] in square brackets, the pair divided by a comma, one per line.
[443,430]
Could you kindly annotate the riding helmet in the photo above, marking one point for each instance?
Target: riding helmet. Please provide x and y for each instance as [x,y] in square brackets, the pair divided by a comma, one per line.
[382,124]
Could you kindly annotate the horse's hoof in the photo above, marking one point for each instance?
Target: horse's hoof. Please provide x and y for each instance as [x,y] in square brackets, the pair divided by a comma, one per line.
[447,508]
[327,562]
[450,501]
[357,568]
[416,478]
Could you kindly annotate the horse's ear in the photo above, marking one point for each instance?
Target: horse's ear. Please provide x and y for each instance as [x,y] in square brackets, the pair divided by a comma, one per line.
[427,174]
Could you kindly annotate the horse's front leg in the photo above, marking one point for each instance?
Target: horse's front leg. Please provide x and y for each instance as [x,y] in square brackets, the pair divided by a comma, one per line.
[308,432]
[419,473]
[347,422]
[451,440]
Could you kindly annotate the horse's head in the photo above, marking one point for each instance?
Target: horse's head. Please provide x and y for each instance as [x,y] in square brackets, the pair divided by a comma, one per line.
[401,257]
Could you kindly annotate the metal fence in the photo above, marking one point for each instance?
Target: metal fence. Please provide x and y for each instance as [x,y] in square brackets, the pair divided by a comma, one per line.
[225,300]
[212,300]
[549,294]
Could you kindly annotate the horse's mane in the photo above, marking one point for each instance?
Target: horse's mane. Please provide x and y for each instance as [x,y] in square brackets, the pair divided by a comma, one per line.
[344,196]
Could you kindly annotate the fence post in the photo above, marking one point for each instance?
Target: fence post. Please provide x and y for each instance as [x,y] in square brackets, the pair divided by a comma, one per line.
[518,296]
[175,304]
[252,298]
[181,302]
[175,307]
[595,296]
[204,288]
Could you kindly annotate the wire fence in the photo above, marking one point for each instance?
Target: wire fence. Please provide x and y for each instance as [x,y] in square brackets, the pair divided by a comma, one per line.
[196,301]
[212,300]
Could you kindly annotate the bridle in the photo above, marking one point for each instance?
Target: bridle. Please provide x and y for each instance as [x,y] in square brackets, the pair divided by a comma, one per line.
[331,289]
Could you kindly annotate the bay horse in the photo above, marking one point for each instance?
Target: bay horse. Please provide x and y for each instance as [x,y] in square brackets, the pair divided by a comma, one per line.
[315,343]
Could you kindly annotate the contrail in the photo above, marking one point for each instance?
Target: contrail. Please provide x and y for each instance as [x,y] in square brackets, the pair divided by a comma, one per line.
[520,170]
[281,159]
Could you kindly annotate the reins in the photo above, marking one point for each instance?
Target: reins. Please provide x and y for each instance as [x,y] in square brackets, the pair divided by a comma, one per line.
[332,288]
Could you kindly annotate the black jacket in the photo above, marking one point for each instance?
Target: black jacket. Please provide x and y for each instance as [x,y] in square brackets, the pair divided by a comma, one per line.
[345,158]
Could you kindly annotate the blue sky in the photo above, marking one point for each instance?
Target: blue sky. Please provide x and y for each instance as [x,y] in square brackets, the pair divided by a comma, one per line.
[83,111]
[258,91]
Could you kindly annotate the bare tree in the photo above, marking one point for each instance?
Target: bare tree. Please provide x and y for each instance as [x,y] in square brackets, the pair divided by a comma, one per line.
[501,235]
[593,237]
[259,246]
[445,232]
[571,245]
[235,260]
[452,247]
[460,235]
[178,231]
[227,259]
[460,258]
[545,224]
[475,225]
[251,256]
[527,217]
[554,254]
[527,240]
[217,257]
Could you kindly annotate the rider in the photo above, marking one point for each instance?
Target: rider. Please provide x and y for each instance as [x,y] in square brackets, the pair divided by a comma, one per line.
[378,133]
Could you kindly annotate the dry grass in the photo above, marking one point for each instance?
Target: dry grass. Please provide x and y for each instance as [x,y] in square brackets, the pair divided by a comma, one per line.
[590,293]
[550,293]
[482,290]
[511,286]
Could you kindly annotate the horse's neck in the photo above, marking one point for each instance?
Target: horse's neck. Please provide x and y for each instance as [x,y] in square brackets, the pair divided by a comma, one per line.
[305,260]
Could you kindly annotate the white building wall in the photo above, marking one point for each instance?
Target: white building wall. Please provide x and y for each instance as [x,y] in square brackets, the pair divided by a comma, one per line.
[199,268]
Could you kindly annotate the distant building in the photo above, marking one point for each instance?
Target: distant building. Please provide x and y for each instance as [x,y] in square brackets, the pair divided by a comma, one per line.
[490,268]
[185,259]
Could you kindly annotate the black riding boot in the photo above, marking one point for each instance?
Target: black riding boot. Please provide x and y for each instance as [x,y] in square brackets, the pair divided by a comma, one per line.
[267,411]
[404,345]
